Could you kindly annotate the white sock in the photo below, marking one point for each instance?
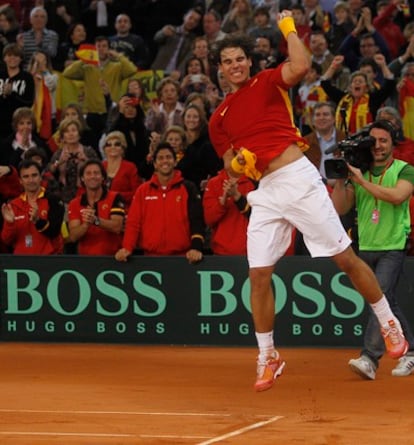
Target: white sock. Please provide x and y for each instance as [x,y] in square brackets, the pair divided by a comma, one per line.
[266,344]
[383,312]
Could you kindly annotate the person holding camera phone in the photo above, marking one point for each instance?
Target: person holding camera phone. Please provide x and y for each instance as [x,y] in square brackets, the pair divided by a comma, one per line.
[253,131]
[67,160]
[381,196]
[195,79]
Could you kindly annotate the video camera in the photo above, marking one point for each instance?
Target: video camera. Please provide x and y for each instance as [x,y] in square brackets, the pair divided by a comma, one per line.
[355,150]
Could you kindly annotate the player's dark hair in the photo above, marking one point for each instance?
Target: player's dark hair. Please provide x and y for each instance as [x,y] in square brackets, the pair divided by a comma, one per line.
[236,40]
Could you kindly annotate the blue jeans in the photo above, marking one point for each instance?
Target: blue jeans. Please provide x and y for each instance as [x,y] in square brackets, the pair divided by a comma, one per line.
[387,266]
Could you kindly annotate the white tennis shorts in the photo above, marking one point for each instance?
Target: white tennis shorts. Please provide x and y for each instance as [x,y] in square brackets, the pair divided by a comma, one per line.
[292,196]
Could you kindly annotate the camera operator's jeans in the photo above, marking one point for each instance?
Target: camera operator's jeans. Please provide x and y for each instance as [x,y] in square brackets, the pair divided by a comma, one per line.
[387,266]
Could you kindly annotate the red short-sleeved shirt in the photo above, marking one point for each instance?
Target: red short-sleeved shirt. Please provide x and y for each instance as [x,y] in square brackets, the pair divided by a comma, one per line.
[258,117]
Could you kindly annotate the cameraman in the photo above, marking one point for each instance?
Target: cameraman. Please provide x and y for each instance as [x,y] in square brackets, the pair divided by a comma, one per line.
[381,196]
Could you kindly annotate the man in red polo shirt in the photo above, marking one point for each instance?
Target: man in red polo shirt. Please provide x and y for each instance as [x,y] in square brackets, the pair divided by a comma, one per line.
[254,132]
[96,217]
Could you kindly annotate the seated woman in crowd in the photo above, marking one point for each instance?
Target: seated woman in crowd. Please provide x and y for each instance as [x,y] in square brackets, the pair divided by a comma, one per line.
[67,50]
[201,51]
[129,120]
[165,111]
[136,92]
[175,136]
[122,175]
[239,17]
[74,111]
[9,27]
[66,161]
[200,160]
[357,106]
[23,138]
[201,100]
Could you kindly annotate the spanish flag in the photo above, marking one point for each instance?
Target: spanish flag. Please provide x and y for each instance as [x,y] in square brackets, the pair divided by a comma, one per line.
[88,54]
[406,105]
[42,109]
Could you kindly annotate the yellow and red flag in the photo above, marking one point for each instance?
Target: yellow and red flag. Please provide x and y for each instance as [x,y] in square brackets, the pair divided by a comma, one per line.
[406,105]
[42,109]
[88,54]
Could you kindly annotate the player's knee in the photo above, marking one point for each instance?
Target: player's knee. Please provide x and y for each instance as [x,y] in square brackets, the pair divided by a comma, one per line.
[260,276]
[347,260]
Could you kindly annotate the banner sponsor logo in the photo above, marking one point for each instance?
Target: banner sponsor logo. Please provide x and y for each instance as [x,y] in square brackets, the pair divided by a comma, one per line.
[166,300]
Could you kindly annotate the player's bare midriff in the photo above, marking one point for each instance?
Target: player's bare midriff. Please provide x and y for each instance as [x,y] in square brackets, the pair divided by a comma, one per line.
[291,154]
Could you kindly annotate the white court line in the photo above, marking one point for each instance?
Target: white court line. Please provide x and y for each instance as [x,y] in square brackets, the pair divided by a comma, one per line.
[53,434]
[241,430]
[126,413]
[170,436]
[45,433]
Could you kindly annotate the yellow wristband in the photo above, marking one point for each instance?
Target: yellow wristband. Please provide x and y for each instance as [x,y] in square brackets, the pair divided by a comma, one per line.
[249,157]
[236,166]
[286,26]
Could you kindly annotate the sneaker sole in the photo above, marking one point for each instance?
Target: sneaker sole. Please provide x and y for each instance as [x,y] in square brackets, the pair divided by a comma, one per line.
[266,386]
[402,375]
[398,355]
[356,370]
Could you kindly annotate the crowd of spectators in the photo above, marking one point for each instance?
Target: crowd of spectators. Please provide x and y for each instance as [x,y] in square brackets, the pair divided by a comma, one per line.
[111,100]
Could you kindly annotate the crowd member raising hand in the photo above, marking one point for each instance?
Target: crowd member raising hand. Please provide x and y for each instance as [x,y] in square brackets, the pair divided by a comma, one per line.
[357,106]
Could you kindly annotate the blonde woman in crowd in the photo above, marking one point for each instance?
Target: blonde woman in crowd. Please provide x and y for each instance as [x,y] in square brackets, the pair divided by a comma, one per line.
[201,51]
[173,135]
[239,18]
[122,175]
[73,111]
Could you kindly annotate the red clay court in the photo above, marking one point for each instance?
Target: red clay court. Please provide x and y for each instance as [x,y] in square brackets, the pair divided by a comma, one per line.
[88,394]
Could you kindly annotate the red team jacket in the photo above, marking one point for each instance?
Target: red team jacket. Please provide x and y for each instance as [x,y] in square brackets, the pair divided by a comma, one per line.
[40,238]
[165,221]
[126,180]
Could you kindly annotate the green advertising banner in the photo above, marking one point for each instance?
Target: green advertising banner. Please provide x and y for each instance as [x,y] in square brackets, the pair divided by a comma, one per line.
[164,300]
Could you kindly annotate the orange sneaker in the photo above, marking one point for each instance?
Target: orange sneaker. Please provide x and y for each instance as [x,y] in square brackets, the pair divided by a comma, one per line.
[268,371]
[394,339]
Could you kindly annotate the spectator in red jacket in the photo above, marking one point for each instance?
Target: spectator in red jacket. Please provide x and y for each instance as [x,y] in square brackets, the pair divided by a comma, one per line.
[33,220]
[96,217]
[166,214]
[9,188]
[227,212]
[122,175]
